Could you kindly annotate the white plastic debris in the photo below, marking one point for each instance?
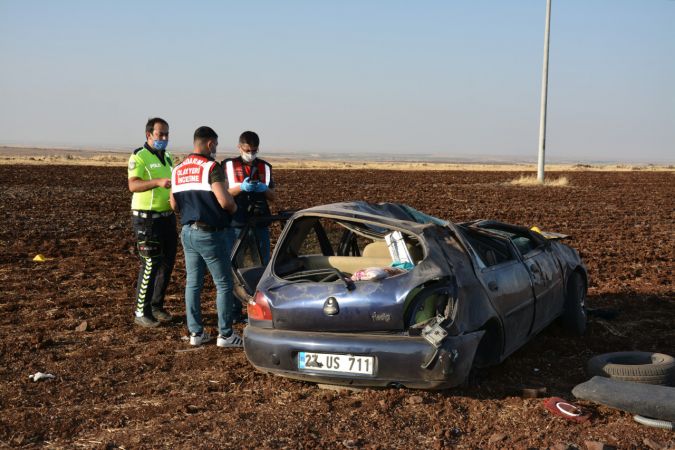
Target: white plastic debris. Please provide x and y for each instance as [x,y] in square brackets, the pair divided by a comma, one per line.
[41,376]
[397,247]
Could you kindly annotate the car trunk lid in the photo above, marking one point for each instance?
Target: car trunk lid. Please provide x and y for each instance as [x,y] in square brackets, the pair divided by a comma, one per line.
[369,306]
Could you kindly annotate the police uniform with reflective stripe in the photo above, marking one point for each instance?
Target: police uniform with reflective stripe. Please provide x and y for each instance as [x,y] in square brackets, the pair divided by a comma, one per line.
[155,228]
[147,163]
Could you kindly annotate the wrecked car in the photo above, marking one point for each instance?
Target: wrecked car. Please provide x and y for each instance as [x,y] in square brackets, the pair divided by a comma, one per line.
[384,295]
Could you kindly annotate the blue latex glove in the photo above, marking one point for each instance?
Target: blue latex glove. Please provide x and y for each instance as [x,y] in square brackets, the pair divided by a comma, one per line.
[260,187]
[247,186]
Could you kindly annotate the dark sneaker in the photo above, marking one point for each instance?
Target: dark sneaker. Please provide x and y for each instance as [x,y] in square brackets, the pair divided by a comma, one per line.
[162,315]
[147,322]
[199,339]
[231,341]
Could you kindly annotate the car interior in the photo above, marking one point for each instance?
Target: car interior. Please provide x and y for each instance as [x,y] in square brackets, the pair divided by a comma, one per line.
[488,250]
[325,250]
[492,248]
[320,249]
[523,243]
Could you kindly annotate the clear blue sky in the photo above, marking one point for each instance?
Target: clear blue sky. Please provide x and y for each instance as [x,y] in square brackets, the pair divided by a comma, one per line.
[452,78]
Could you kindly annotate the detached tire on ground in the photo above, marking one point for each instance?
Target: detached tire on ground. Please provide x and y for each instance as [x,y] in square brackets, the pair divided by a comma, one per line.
[574,314]
[638,367]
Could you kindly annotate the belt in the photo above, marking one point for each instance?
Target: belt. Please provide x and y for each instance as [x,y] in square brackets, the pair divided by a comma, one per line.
[151,214]
[205,227]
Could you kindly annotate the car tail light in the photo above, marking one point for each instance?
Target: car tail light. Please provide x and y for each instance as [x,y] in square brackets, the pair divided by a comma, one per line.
[259,307]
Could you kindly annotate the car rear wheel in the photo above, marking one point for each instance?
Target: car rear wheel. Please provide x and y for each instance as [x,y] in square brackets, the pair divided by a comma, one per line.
[574,314]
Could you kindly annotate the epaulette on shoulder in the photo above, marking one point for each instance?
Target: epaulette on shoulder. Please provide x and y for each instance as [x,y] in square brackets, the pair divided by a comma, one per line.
[265,162]
[138,150]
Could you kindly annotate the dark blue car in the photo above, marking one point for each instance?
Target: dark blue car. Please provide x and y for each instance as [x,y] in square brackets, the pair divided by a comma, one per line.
[383,295]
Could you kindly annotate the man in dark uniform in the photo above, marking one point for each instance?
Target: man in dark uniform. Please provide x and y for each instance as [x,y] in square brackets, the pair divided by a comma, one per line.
[252,186]
[200,195]
[154,223]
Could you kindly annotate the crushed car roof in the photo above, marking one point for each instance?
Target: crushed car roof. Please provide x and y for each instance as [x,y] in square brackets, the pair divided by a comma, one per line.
[386,212]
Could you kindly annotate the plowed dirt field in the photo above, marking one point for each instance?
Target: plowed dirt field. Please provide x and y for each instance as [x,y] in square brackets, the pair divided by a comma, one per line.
[120,386]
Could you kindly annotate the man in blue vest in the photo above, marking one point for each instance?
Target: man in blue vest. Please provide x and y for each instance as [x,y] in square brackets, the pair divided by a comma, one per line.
[252,186]
[154,222]
[199,193]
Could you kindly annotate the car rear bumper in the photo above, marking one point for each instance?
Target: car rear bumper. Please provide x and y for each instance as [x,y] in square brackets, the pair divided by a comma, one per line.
[398,358]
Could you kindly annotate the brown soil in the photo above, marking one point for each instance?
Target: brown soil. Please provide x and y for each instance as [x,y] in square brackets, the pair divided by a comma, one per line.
[120,386]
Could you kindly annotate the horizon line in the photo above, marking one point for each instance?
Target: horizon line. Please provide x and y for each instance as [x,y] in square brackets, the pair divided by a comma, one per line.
[373,156]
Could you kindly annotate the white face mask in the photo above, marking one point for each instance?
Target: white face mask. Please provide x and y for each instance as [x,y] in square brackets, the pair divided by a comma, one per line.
[249,157]
[212,150]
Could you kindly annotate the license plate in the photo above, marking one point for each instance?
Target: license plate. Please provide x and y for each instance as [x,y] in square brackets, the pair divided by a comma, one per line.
[328,362]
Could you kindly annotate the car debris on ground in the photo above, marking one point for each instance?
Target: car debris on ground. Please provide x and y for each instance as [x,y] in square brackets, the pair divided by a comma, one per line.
[37,376]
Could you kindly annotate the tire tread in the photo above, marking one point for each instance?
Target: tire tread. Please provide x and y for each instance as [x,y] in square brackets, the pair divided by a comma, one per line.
[660,372]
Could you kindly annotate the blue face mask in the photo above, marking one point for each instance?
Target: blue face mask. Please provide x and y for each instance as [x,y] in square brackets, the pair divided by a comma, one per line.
[159,145]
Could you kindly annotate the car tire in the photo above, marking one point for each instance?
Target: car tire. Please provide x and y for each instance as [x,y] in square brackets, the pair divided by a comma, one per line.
[638,367]
[574,313]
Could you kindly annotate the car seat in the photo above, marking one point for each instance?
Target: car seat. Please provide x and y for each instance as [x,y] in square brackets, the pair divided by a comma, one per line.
[379,249]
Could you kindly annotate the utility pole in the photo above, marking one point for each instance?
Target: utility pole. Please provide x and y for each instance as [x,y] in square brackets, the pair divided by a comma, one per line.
[544,92]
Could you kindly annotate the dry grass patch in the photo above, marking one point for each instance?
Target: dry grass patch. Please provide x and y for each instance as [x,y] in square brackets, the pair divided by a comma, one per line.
[124,158]
[531,180]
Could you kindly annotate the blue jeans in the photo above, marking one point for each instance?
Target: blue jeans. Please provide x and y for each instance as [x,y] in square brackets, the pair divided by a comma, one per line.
[263,236]
[210,250]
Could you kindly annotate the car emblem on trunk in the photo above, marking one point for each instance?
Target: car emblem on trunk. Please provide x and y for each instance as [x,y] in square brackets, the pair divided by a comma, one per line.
[331,307]
[380,317]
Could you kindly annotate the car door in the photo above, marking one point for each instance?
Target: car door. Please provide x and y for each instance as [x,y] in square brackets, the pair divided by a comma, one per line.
[507,282]
[543,268]
[547,283]
[246,259]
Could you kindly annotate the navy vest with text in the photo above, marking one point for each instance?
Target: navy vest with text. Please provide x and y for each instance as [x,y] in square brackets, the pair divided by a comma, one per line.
[192,191]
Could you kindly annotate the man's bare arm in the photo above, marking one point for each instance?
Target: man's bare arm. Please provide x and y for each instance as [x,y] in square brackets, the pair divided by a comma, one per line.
[174,204]
[235,190]
[224,198]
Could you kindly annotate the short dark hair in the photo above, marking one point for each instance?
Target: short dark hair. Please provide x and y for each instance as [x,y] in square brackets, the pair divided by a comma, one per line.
[204,134]
[249,137]
[150,126]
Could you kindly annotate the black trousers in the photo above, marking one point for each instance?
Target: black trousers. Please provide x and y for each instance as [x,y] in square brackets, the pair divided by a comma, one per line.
[156,242]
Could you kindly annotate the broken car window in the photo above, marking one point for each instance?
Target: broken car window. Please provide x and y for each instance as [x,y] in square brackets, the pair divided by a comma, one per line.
[320,249]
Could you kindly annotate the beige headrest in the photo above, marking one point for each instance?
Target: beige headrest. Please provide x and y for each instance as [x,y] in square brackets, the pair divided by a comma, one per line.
[378,249]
